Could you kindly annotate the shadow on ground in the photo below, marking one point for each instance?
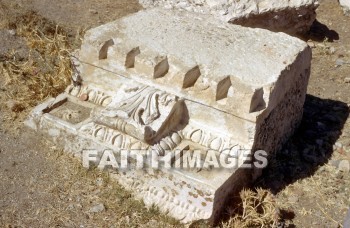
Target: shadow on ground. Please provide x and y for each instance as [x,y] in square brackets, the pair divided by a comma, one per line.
[320,32]
[309,148]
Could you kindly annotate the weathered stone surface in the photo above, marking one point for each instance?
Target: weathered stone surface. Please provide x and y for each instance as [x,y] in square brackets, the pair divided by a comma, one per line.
[347,220]
[165,81]
[346,5]
[290,16]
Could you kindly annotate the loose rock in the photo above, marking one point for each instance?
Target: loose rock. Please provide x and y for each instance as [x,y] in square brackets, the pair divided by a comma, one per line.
[340,62]
[290,16]
[331,51]
[92,11]
[293,199]
[97,208]
[344,166]
[345,5]
[347,220]
[338,145]
[311,44]
[99,181]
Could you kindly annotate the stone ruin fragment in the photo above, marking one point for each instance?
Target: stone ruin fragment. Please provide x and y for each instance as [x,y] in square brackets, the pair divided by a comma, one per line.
[294,17]
[165,81]
[345,4]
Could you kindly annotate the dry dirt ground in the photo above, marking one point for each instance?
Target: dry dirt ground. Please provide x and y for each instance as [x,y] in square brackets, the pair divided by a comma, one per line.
[40,186]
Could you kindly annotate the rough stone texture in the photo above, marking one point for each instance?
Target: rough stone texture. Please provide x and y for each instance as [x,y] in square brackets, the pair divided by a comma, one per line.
[187,82]
[347,220]
[346,5]
[291,16]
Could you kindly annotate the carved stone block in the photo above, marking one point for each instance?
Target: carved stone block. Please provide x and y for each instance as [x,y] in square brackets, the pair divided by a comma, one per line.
[346,6]
[162,81]
[294,17]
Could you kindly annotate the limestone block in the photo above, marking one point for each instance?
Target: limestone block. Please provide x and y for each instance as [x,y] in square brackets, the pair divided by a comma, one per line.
[163,81]
[346,5]
[290,16]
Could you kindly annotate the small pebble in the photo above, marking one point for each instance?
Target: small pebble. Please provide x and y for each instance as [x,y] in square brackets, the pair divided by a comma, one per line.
[92,11]
[339,62]
[338,145]
[293,199]
[99,181]
[127,219]
[118,200]
[311,44]
[97,208]
[334,163]
[12,32]
[70,207]
[344,166]
[347,80]
[331,51]
[84,97]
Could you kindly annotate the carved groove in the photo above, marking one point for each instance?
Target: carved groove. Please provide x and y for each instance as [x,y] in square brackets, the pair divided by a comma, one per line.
[222,89]
[104,49]
[161,68]
[257,104]
[191,77]
[130,57]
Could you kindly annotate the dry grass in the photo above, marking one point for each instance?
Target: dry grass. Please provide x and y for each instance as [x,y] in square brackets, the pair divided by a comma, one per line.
[324,196]
[93,186]
[46,72]
[62,193]
[259,209]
